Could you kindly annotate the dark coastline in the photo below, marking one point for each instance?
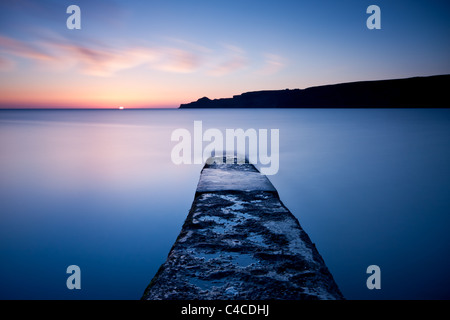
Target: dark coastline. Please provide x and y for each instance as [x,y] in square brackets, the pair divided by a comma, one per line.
[417,92]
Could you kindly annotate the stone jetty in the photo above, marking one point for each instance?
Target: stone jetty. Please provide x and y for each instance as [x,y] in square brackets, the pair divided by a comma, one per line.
[239,242]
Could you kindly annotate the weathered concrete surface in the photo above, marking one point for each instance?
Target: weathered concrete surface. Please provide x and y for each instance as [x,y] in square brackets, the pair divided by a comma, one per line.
[216,179]
[240,242]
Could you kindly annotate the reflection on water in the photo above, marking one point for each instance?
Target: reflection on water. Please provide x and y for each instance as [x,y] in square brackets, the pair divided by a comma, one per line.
[98,189]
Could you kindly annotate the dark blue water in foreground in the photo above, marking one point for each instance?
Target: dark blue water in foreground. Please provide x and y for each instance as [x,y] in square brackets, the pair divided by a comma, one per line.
[98,189]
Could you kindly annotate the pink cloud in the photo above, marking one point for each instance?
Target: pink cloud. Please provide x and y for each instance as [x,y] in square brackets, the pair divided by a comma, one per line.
[178,60]
[22,49]
[6,64]
[97,59]
[235,59]
[102,61]
[272,64]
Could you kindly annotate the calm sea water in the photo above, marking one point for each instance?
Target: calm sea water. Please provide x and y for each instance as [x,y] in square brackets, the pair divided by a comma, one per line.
[98,189]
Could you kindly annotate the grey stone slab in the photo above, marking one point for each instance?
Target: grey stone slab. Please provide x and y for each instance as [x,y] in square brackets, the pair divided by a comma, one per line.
[233,180]
[239,242]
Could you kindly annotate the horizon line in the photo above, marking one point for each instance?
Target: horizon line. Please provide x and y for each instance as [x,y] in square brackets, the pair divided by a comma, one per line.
[82,108]
[6,106]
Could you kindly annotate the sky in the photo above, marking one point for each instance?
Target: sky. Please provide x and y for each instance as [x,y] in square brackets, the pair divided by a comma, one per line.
[159,54]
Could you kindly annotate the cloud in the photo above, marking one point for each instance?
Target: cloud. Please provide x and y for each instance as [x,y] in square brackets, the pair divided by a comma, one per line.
[22,49]
[235,59]
[97,59]
[229,66]
[178,60]
[188,45]
[6,64]
[91,59]
[272,64]
[102,60]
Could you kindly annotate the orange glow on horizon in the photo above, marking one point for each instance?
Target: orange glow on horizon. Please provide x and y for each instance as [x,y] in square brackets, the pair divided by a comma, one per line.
[56,105]
[82,99]
[83,104]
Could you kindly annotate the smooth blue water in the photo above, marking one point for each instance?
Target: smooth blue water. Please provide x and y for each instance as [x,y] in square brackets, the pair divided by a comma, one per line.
[98,189]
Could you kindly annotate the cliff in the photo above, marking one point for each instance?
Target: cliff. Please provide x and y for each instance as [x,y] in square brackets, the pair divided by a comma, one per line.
[239,242]
[418,92]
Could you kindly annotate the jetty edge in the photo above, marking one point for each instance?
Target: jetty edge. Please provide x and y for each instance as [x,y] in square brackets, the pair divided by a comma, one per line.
[239,242]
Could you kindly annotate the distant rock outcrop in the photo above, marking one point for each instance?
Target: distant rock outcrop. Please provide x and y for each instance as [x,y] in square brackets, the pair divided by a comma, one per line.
[418,92]
[240,242]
